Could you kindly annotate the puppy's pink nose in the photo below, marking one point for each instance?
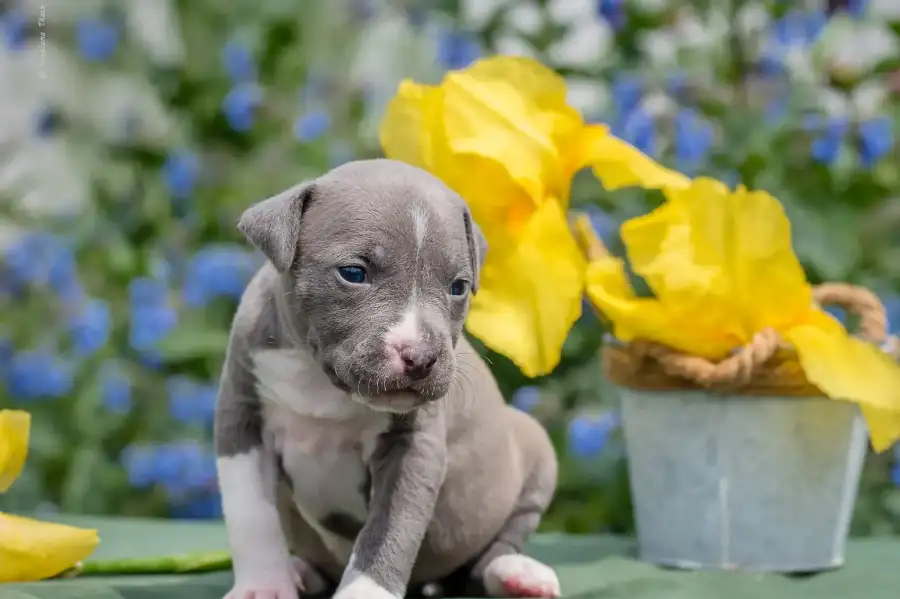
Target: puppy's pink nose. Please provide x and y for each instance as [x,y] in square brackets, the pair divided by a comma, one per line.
[416,362]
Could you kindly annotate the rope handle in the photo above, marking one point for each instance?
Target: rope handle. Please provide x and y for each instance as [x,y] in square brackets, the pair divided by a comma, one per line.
[738,368]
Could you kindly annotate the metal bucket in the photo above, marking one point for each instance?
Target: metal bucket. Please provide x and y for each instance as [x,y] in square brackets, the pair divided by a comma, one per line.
[739,482]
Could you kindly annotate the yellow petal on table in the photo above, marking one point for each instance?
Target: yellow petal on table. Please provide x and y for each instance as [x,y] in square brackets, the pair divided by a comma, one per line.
[512,110]
[617,164]
[633,317]
[531,292]
[14,431]
[847,368]
[34,550]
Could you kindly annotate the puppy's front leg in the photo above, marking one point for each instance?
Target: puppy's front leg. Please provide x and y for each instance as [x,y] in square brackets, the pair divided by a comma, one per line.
[261,562]
[408,469]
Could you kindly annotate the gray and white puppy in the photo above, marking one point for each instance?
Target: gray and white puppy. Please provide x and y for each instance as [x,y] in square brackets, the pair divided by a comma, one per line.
[362,443]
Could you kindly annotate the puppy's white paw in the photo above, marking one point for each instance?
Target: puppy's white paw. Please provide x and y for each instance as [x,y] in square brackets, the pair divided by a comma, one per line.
[307,579]
[363,587]
[281,587]
[517,575]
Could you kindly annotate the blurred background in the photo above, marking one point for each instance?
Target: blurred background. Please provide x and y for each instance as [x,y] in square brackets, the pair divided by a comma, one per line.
[134,132]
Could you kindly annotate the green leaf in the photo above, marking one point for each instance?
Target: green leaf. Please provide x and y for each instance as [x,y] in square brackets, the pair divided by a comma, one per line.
[188,343]
[82,474]
[826,242]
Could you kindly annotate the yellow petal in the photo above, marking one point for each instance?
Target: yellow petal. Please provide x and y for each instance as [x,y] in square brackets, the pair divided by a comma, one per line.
[403,132]
[633,317]
[14,428]
[513,111]
[748,233]
[618,164]
[588,240]
[662,250]
[847,368]
[34,550]
[531,291]
[413,131]
[721,261]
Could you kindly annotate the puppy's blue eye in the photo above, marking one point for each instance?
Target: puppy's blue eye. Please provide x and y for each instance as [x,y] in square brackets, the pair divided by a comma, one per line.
[353,274]
[459,287]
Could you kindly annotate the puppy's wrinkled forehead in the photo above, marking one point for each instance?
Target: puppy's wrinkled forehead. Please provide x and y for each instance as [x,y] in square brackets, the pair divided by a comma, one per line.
[384,210]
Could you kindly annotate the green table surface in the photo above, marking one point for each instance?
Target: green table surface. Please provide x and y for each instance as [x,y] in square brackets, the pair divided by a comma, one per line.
[589,567]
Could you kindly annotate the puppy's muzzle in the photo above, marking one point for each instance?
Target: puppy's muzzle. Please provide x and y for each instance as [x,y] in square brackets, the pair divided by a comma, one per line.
[414,362]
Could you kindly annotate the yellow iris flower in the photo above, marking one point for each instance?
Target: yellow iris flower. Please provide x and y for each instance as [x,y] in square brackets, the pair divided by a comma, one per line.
[501,134]
[29,549]
[721,266]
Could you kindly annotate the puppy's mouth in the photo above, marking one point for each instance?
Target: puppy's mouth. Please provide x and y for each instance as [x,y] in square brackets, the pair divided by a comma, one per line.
[389,394]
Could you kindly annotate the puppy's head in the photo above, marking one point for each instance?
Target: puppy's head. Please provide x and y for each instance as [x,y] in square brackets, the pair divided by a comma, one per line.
[380,259]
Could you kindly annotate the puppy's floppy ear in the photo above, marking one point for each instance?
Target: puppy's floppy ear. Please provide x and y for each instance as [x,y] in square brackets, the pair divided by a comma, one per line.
[477,246]
[273,225]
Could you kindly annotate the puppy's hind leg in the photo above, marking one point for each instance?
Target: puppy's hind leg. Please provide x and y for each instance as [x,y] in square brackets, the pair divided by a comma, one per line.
[503,570]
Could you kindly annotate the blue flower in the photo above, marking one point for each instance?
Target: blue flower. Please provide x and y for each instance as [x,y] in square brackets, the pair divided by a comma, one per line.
[14,28]
[90,327]
[199,468]
[140,465]
[588,435]
[838,313]
[180,173]
[638,129]
[693,139]
[895,475]
[184,467]
[152,317]
[526,398]
[892,311]
[7,352]
[770,66]
[46,122]
[604,225]
[312,125]
[626,92]
[208,506]
[115,388]
[776,109]
[876,139]
[39,258]
[676,82]
[218,270]
[613,11]
[97,40]
[238,62]
[180,468]
[150,325]
[145,291]
[457,50]
[191,402]
[857,8]
[799,28]
[240,104]
[826,147]
[39,374]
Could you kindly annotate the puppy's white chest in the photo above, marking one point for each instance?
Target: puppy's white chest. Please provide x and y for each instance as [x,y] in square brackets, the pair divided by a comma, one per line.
[325,442]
